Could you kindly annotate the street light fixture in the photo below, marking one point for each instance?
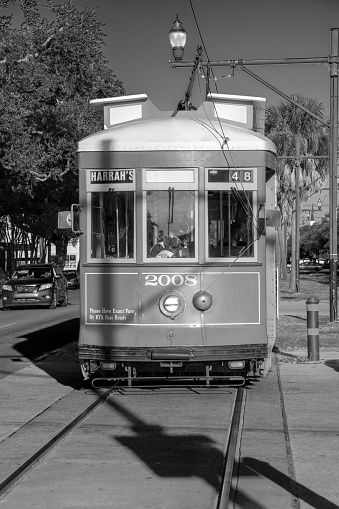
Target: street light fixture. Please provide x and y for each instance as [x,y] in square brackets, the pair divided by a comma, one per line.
[310,215]
[177,36]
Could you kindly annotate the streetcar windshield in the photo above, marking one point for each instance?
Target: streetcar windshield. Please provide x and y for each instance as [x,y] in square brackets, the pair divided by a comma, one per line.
[112,224]
[230,223]
[170,223]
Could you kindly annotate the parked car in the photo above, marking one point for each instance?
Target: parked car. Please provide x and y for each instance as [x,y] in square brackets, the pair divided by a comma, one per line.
[73,279]
[41,284]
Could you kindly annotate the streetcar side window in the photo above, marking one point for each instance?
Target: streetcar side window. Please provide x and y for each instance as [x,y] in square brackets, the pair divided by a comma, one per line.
[112,224]
[170,223]
[230,223]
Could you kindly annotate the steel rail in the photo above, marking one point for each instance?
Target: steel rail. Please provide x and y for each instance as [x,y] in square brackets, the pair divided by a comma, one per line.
[231,447]
[16,476]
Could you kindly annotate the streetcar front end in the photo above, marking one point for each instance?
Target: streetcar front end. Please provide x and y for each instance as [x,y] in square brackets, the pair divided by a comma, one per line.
[176,254]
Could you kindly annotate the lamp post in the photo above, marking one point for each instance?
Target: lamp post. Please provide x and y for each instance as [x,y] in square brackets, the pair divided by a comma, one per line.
[177,36]
[310,211]
[311,216]
[333,62]
[334,59]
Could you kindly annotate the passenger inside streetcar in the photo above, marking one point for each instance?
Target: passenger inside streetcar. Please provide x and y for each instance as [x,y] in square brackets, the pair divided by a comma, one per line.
[170,247]
[170,224]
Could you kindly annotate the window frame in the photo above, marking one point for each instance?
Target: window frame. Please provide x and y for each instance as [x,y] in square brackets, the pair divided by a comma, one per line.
[163,185]
[227,186]
[103,188]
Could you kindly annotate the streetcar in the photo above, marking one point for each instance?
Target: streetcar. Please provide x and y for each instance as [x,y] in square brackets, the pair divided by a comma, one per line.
[176,219]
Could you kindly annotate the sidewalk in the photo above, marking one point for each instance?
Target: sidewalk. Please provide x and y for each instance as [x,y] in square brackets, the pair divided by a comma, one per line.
[310,395]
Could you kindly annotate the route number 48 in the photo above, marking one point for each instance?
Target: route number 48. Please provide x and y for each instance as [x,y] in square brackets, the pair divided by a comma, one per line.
[241,176]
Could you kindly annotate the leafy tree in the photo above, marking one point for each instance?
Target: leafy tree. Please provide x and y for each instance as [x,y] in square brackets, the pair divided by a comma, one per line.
[284,123]
[50,67]
[288,126]
[314,240]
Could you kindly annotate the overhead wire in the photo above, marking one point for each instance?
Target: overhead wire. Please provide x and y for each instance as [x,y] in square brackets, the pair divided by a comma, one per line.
[249,209]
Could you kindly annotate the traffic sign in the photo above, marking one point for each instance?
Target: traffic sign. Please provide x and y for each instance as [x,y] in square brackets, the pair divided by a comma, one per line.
[64,220]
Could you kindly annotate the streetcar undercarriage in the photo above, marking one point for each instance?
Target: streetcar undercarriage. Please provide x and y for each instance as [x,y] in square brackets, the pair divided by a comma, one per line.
[108,366]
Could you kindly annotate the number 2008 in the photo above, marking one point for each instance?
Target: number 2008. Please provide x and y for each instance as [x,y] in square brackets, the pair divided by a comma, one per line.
[166,280]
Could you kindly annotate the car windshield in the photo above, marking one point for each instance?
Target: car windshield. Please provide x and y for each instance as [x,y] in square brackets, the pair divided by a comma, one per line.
[32,273]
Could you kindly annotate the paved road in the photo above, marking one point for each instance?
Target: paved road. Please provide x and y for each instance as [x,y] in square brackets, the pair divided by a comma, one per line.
[28,333]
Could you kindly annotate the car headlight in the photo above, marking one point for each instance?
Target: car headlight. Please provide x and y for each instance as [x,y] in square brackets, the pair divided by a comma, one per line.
[45,286]
[8,288]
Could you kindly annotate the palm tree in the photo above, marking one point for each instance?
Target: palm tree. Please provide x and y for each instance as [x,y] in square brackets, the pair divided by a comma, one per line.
[288,127]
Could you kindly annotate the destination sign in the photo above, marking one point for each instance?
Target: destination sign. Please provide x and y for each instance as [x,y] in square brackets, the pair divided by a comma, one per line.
[111,176]
[230,175]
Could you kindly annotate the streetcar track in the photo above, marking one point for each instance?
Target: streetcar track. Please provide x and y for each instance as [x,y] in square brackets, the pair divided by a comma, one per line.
[8,483]
[231,448]
[222,498]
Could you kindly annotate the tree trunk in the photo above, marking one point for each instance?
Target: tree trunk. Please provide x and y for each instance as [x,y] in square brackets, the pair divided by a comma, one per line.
[282,257]
[293,265]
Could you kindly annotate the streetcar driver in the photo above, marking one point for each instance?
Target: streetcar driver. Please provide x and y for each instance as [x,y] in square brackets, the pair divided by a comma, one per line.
[237,242]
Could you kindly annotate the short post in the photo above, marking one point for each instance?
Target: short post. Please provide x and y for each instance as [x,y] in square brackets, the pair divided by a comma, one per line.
[312,306]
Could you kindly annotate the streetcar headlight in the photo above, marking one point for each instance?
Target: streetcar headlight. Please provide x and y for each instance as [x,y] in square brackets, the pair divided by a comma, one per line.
[236,364]
[172,304]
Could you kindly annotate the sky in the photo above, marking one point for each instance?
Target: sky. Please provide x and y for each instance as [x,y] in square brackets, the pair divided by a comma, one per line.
[138,50]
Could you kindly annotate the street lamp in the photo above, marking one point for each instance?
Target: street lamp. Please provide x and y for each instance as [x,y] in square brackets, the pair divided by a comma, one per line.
[310,212]
[310,215]
[177,36]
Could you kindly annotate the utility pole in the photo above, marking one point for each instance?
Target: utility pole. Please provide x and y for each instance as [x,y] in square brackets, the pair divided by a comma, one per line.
[333,172]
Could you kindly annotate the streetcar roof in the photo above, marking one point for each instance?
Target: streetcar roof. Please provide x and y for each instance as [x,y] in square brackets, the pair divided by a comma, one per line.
[175,133]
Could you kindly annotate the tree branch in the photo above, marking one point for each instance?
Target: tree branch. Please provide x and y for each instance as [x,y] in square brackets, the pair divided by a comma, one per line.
[29,56]
[43,178]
